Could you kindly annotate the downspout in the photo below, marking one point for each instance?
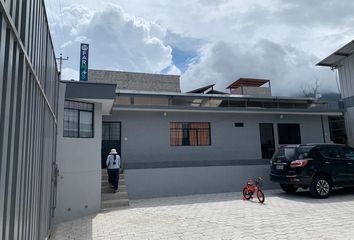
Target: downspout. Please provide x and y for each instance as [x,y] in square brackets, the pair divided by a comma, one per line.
[323,131]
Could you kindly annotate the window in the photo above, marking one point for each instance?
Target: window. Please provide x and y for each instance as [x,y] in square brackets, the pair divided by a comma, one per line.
[111,131]
[289,133]
[78,119]
[349,153]
[239,124]
[190,134]
[330,152]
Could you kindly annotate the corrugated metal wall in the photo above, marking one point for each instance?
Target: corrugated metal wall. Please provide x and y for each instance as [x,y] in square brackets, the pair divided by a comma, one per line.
[28,109]
[346,78]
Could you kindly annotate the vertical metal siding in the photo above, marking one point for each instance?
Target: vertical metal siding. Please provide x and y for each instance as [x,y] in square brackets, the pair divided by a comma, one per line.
[28,108]
[346,78]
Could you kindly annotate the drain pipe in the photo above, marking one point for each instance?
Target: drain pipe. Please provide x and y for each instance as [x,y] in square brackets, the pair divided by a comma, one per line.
[323,131]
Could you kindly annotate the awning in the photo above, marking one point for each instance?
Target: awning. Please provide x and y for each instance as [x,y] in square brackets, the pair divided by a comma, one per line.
[248,82]
[104,93]
[334,59]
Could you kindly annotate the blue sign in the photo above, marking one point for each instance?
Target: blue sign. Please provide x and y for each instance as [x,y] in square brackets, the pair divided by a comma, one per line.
[84,54]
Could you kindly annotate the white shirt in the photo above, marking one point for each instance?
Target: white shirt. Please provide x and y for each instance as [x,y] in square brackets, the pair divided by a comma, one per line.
[110,162]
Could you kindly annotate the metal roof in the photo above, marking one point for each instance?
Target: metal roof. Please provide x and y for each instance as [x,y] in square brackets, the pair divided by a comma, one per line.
[249,82]
[209,89]
[334,59]
[212,96]
[202,89]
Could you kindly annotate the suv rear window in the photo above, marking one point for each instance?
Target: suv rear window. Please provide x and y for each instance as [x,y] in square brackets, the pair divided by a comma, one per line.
[304,152]
[289,153]
[293,153]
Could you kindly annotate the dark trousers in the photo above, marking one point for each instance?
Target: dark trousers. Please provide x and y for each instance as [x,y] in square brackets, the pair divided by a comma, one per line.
[113,177]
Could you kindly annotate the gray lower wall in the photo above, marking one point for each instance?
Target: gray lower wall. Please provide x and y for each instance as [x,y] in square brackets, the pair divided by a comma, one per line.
[164,182]
[79,164]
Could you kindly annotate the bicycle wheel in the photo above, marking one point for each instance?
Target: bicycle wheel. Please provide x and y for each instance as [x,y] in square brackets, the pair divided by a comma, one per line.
[260,196]
[246,194]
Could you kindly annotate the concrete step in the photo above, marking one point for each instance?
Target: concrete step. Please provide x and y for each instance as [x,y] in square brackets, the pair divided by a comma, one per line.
[108,189]
[114,203]
[112,196]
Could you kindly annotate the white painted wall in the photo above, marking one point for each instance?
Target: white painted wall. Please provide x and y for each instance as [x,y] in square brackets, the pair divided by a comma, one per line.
[79,163]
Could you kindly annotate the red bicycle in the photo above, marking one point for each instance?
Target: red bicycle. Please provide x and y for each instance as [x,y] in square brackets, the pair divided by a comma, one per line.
[254,186]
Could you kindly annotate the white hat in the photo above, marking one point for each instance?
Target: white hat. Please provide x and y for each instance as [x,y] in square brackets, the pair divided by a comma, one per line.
[113,151]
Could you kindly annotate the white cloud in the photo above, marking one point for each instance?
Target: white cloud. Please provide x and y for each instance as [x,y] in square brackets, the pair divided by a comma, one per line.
[70,74]
[287,67]
[173,70]
[118,41]
[271,39]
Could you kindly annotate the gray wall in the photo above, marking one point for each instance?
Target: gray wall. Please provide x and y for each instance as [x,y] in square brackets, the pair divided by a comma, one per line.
[79,164]
[146,135]
[137,81]
[164,182]
[234,154]
[349,125]
[28,107]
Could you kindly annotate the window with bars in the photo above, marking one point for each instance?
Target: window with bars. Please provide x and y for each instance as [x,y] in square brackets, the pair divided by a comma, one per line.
[78,119]
[190,134]
[111,131]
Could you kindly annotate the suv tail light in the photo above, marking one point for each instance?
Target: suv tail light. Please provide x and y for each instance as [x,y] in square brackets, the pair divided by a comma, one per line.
[299,163]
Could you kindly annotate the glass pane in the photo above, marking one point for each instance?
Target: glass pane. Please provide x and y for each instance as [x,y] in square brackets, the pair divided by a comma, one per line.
[86,127]
[105,131]
[330,152]
[78,105]
[70,123]
[349,153]
[289,133]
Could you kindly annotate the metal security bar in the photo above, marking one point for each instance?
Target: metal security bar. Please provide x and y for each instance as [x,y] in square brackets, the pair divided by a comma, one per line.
[29,85]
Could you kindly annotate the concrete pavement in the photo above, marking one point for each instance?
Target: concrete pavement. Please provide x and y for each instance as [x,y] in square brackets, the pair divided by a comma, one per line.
[221,216]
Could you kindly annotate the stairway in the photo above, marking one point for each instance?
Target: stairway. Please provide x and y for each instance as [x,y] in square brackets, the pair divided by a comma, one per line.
[109,199]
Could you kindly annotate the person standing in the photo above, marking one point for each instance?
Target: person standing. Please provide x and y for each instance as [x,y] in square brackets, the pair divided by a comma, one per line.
[113,165]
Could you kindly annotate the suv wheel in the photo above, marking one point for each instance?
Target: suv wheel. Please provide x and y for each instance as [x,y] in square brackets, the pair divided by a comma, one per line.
[320,187]
[288,188]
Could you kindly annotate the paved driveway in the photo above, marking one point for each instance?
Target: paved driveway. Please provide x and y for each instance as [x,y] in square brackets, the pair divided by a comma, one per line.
[221,216]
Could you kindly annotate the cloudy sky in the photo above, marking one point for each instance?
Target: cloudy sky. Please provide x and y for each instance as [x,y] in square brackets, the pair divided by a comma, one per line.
[206,41]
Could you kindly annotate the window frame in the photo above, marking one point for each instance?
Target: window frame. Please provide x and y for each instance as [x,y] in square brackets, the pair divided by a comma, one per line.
[78,118]
[189,129]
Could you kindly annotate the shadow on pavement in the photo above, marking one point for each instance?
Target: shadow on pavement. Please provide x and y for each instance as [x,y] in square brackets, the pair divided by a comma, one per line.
[337,195]
[195,199]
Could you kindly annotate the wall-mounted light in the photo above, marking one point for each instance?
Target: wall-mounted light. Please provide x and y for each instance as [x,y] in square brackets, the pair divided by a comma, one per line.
[281,116]
[165,114]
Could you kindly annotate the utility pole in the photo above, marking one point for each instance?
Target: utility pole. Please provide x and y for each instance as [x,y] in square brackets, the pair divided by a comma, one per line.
[61,59]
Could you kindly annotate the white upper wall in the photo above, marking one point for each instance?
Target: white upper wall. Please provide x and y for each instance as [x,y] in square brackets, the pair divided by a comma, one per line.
[79,163]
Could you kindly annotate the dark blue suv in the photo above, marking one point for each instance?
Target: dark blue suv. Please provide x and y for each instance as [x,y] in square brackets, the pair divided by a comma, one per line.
[318,167]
